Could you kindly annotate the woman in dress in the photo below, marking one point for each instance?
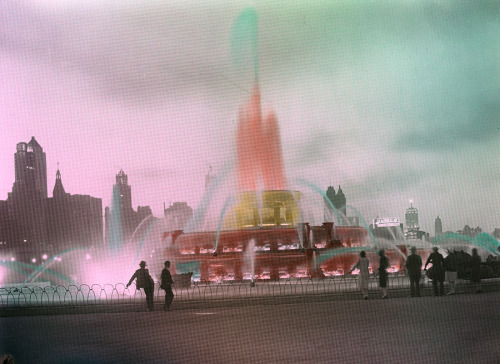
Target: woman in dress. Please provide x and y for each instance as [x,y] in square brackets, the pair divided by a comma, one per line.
[364,273]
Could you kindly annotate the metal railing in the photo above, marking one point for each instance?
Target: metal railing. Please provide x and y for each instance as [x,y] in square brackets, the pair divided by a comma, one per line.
[111,294]
[36,296]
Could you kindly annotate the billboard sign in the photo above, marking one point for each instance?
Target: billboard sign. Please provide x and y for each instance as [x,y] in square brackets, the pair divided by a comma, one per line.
[386,221]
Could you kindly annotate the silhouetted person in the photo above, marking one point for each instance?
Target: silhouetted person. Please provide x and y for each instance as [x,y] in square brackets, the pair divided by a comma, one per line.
[437,273]
[166,284]
[413,268]
[450,271]
[475,270]
[144,281]
[364,273]
[382,272]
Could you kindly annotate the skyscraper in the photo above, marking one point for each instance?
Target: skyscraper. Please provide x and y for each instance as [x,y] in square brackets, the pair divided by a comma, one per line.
[125,220]
[438,226]
[31,166]
[411,218]
[27,200]
[125,192]
[338,200]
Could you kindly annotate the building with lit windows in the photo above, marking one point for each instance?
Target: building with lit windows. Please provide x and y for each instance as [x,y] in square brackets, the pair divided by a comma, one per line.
[31,223]
[411,219]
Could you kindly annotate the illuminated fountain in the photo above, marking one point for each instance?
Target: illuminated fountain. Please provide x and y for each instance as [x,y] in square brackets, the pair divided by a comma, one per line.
[262,232]
[262,223]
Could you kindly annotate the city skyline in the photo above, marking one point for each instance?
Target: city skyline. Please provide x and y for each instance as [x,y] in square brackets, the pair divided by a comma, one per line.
[391,105]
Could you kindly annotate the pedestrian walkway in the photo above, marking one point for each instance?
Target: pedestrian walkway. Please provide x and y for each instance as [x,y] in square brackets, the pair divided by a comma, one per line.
[218,295]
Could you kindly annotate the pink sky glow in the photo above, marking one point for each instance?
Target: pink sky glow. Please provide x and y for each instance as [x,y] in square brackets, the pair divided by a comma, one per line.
[392,102]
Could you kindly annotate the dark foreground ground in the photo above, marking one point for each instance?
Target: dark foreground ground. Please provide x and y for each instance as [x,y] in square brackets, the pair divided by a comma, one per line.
[463,328]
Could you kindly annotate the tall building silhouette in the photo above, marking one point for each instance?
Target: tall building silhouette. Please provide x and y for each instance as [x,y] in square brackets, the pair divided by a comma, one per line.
[31,166]
[125,192]
[411,219]
[438,226]
[129,219]
[209,178]
[177,215]
[26,202]
[73,220]
[338,200]
[31,222]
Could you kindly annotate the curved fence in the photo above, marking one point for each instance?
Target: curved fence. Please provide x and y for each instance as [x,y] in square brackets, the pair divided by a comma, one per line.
[36,296]
[110,294]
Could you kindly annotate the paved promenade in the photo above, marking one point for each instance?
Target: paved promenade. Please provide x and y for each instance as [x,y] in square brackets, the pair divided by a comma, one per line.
[321,328]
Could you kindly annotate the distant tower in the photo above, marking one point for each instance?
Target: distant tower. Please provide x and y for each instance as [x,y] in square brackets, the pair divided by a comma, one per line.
[338,200]
[58,191]
[125,191]
[438,226]
[330,193]
[411,217]
[29,192]
[208,178]
[31,167]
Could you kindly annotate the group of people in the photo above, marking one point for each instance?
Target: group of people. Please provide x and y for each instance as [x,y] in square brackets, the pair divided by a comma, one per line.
[364,273]
[145,281]
[442,269]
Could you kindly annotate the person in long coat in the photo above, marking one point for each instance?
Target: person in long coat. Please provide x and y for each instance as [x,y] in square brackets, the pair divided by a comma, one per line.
[475,270]
[382,272]
[364,273]
[414,269]
[144,281]
[437,274]
[166,284]
[450,274]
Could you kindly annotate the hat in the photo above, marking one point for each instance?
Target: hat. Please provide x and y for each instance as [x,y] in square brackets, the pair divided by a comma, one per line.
[142,263]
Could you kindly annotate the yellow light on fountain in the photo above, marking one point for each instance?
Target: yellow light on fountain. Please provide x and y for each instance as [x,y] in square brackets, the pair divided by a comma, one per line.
[266,208]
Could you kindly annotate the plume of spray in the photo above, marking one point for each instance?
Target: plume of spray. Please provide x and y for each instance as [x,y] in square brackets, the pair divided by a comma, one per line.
[259,151]
[244,40]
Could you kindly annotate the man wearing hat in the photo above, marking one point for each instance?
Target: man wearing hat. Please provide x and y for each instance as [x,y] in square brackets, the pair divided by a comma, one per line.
[145,281]
[413,267]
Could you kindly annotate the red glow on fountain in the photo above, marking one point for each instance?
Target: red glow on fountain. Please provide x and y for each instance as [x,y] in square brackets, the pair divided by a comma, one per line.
[259,148]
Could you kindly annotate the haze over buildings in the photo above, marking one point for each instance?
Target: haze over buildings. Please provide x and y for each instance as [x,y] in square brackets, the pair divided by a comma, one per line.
[31,222]
[391,101]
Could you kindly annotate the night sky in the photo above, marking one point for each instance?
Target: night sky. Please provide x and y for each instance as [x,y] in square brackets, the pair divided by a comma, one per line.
[392,100]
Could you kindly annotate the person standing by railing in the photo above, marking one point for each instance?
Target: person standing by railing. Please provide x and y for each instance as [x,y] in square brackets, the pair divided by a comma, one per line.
[475,270]
[436,273]
[166,284]
[382,272]
[145,281]
[450,274]
[364,274]
[414,269]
